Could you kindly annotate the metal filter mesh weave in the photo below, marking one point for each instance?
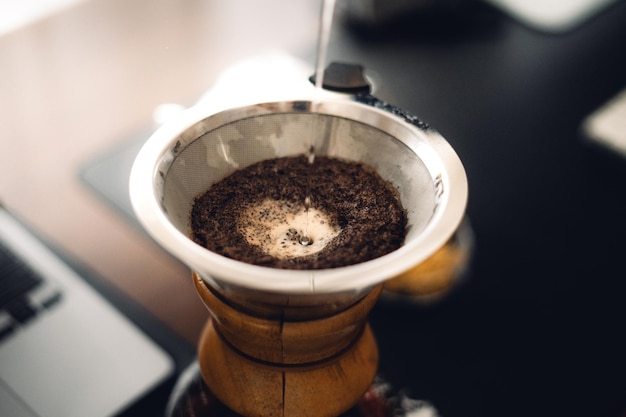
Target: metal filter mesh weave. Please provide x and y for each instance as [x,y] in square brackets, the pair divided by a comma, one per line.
[212,150]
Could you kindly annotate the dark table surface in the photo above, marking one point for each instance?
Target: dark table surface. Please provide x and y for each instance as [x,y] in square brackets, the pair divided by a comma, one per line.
[538,328]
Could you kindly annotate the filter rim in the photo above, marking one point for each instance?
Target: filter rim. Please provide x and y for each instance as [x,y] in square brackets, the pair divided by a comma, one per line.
[218,270]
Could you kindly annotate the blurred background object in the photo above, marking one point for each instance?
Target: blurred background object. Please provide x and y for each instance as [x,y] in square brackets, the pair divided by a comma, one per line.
[15,14]
[552,15]
[438,275]
[547,15]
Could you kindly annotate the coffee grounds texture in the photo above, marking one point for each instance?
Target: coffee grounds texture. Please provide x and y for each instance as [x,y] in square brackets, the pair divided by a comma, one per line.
[365,207]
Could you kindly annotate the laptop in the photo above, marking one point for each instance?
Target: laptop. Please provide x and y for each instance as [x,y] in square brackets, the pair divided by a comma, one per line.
[65,350]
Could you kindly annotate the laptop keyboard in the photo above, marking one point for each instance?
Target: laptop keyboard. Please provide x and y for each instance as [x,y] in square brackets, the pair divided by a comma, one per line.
[23,293]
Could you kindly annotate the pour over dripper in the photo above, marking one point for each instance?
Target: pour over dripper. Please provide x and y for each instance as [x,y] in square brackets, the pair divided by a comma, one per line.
[285,332]
[184,158]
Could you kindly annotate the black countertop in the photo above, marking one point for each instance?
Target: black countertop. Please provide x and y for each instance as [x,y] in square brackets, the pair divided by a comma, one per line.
[538,327]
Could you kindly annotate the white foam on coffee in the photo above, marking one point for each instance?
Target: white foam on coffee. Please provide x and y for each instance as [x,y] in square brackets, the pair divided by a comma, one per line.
[277,227]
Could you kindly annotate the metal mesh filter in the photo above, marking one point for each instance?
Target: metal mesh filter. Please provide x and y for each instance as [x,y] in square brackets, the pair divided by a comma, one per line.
[224,149]
[182,160]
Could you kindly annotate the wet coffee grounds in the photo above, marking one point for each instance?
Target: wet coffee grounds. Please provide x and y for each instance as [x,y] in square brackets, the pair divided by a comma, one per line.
[365,208]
